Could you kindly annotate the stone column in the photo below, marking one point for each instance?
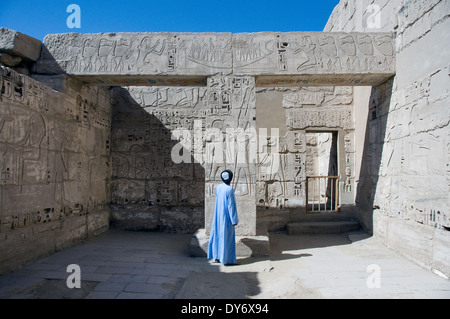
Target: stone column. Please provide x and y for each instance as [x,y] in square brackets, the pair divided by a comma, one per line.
[231,143]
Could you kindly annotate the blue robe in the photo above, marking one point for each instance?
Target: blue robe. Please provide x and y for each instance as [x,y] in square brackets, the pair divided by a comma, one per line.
[222,243]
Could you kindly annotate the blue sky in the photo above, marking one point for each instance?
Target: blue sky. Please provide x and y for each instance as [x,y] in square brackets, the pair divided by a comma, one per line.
[40,17]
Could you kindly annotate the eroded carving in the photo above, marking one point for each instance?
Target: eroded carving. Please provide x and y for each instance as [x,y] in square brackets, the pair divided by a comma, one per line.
[296,53]
[49,159]
[332,118]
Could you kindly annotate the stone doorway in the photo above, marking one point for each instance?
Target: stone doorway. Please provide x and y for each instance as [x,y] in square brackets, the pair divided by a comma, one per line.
[322,173]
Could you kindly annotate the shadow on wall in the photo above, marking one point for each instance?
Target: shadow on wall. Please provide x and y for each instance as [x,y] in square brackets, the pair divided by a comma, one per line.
[149,191]
[379,103]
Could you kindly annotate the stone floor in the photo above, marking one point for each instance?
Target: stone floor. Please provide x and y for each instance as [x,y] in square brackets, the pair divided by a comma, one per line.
[142,265]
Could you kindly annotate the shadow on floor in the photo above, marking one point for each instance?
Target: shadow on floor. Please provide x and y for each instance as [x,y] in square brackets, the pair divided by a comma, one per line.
[130,265]
[284,246]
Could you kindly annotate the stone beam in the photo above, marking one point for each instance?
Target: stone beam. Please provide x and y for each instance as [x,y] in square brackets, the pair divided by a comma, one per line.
[16,47]
[137,54]
[289,59]
[314,58]
[144,80]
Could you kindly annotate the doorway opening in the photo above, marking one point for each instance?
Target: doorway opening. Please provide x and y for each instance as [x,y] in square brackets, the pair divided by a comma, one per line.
[322,178]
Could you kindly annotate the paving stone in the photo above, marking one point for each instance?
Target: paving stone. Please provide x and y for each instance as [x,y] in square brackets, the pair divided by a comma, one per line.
[300,266]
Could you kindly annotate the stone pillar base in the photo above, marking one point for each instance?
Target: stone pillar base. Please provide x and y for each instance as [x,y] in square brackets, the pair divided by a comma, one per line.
[246,246]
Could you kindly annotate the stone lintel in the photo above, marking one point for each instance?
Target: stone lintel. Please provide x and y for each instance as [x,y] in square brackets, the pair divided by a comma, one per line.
[261,81]
[143,80]
[292,59]
[267,81]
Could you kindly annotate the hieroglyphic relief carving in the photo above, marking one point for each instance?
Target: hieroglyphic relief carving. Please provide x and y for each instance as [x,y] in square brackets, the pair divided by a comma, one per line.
[151,54]
[144,137]
[305,53]
[166,97]
[284,187]
[48,170]
[18,88]
[209,51]
[301,119]
[140,53]
[22,130]
[231,110]
[231,143]
[296,141]
[106,54]
[247,52]
[349,147]
[318,96]
[307,109]
[282,54]
[307,97]
[122,53]
[309,53]
[295,53]
[240,91]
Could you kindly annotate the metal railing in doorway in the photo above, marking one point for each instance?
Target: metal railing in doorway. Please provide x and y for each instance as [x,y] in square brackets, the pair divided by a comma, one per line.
[322,193]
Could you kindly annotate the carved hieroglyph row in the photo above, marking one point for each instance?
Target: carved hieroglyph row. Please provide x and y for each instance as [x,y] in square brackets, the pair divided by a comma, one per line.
[90,109]
[168,97]
[312,53]
[231,109]
[209,53]
[139,53]
[17,88]
[231,143]
[332,118]
[319,96]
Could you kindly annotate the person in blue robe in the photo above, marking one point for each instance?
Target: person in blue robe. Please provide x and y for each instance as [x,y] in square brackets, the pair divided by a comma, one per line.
[222,245]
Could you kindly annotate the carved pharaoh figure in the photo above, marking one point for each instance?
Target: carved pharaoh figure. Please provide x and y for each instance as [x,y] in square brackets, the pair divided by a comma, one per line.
[306,54]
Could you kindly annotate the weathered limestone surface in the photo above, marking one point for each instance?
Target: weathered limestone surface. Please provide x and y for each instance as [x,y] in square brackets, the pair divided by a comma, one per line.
[19,46]
[288,59]
[54,166]
[137,54]
[156,59]
[403,192]
[231,143]
[186,106]
[281,192]
[169,145]
[156,181]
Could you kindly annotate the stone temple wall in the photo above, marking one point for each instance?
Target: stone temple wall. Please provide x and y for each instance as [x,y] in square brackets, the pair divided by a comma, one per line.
[281,196]
[403,190]
[281,193]
[149,190]
[145,122]
[54,166]
[204,84]
[169,145]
